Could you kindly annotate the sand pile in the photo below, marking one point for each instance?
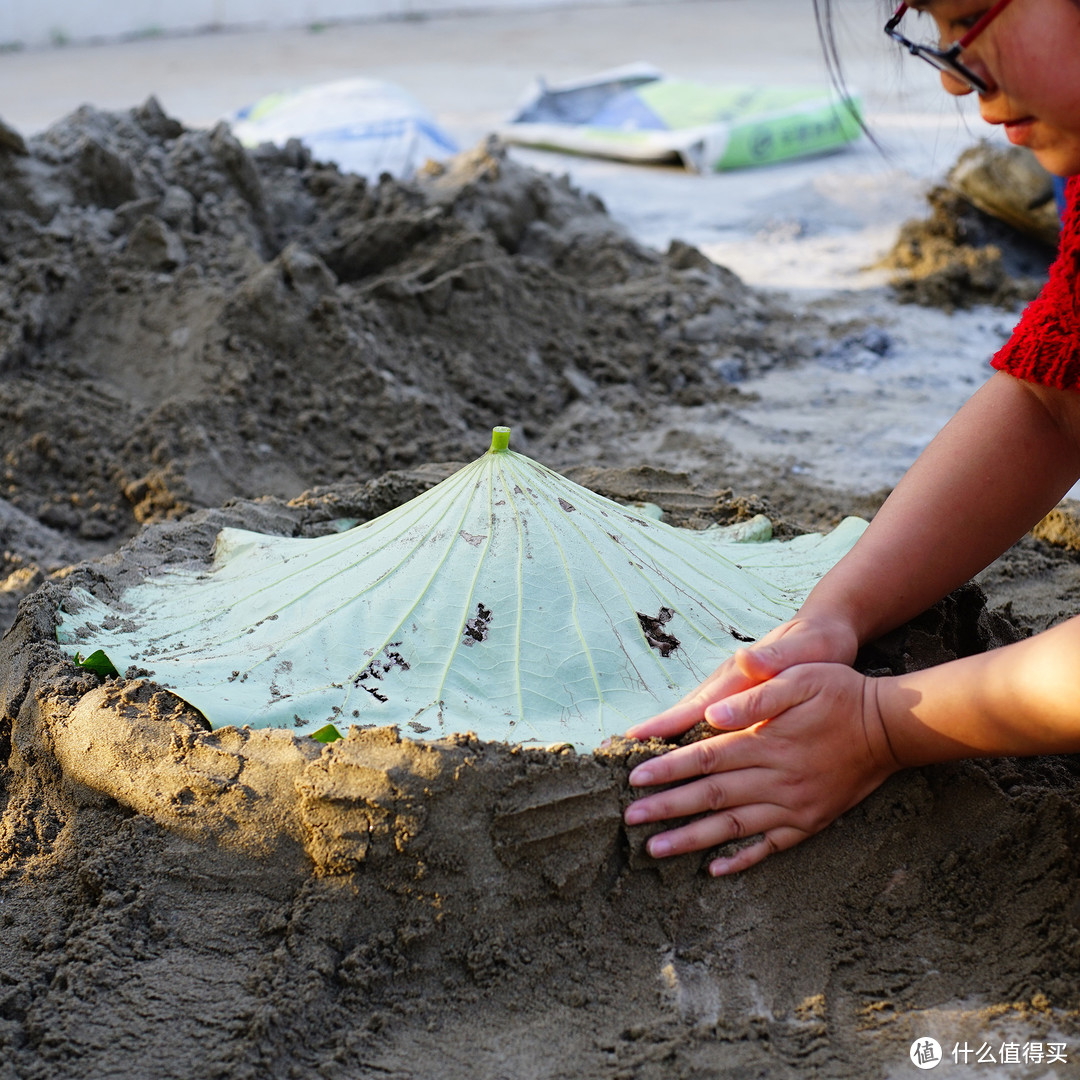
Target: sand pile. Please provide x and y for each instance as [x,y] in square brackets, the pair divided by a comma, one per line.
[990,236]
[182,322]
[255,904]
[186,325]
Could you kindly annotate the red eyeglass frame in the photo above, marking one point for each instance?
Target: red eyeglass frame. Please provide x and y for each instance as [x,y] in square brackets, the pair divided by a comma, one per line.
[948,60]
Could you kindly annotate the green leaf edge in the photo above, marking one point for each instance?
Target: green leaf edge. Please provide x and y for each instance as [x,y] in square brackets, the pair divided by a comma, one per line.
[97,662]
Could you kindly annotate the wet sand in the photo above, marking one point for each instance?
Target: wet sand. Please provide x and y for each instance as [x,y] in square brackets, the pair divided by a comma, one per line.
[193,337]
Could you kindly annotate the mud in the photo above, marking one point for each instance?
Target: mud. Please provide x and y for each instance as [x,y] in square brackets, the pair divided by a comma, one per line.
[990,236]
[960,256]
[193,337]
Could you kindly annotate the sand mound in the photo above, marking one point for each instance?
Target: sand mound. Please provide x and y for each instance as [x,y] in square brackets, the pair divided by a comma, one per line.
[182,322]
[990,236]
[250,903]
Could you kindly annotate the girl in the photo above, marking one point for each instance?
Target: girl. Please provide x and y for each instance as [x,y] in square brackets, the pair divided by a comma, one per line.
[803,736]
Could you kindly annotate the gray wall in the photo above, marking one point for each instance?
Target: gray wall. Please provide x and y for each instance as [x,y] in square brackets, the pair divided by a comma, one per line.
[33,23]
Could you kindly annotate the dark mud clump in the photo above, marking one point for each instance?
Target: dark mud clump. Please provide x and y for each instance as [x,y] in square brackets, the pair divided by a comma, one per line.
[960,257]
[1061,527]
[990,237]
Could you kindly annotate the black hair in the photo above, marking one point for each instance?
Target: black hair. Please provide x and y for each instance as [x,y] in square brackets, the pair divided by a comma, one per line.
[823,16]
[826,28]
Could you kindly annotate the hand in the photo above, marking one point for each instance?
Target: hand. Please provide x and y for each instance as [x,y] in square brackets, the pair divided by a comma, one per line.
[802,640]
[812,744]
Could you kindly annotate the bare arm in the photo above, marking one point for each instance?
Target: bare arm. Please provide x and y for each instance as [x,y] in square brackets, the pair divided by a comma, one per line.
[1004,460]
[993,471]
[1020,700]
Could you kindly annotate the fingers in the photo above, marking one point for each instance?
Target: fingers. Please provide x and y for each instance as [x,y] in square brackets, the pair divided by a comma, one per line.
[673,721]
[773,841]
[762,701]
[717,792]
[742,670]
[787,763]
[728,825]
[730,750]
[758,664]
[799,641]
[707,756]
[732,821]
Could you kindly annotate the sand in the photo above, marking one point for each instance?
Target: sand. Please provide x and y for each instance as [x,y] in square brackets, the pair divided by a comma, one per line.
[192,337]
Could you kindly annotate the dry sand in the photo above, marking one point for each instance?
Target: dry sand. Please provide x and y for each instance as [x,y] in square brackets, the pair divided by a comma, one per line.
[191,336]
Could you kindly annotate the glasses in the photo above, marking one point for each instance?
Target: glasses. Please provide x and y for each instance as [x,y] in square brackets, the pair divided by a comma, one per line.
[948,60]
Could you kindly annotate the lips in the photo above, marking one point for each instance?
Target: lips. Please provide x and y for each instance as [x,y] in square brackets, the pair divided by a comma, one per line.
[1018,132]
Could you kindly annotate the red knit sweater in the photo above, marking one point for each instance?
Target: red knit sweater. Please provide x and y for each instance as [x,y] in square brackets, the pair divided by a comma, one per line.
[1045,346]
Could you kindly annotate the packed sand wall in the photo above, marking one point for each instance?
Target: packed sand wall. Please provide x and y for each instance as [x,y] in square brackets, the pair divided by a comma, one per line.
[250,903]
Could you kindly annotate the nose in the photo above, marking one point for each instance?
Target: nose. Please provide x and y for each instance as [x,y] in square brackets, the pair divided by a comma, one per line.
[958,88]
[953,85]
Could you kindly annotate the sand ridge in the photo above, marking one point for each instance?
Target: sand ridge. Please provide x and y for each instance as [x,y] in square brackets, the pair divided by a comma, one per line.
[254,903]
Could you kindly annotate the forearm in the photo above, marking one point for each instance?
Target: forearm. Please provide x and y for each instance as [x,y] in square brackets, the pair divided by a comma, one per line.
[1002,462]
[1019,700]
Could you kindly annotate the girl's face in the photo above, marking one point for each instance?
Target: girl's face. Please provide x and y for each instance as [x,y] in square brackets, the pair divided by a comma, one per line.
[1030,58]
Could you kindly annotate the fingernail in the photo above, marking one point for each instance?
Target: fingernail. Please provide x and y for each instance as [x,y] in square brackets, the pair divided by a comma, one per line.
[719,867]
[720,715]
[659,847]
[642,775]
[634,815]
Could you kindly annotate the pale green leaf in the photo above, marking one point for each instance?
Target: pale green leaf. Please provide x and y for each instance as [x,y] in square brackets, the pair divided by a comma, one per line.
[506,601]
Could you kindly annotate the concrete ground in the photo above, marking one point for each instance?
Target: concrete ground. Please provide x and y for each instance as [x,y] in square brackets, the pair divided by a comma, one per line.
[472,70]
[809,227]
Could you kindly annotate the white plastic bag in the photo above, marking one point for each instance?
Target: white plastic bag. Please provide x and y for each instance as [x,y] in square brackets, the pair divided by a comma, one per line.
[362,125]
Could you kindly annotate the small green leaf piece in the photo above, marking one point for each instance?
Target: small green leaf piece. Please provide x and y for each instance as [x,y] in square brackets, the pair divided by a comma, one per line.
[327,734]
[98,663]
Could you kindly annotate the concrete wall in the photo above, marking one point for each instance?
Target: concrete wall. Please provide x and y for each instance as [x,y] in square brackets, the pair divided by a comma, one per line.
[33,23]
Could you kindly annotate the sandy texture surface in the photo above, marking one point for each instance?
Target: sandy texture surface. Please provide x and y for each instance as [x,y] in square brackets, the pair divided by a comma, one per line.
[253,904]
[191,336]
[185,324]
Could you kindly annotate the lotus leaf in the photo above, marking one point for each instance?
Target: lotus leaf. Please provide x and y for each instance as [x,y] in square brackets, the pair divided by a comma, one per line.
[506,600]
